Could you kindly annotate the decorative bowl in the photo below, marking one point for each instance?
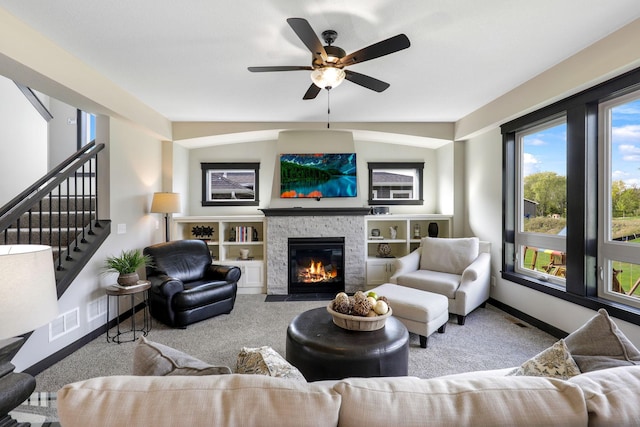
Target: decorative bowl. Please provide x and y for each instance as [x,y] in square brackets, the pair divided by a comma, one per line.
[358,323]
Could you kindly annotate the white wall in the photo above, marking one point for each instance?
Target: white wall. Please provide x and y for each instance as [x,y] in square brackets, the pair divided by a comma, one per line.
[267,153]
[20,126]
[135,169]
[63,132]
[484,211]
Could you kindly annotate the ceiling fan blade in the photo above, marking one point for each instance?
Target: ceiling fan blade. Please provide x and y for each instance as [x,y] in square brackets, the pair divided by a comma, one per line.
[385,47]
[278,68]
[366,81]
[304,31]
[312,92]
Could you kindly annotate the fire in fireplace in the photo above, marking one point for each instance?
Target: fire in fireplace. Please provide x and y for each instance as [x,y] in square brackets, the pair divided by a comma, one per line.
[316,264]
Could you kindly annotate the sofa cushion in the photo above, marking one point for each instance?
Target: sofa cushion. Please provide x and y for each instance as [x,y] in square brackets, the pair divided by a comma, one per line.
[266,361]
[151,358]
[219,400]
[599,344]
[448,255]
[554,362]
[489,401]
[431,281]
[611,396]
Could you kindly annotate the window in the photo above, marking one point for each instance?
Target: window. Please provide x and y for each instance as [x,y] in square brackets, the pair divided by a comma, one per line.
[86,128]
[230,184]
[397,183]
[593,261]
[542,201]
[619,228]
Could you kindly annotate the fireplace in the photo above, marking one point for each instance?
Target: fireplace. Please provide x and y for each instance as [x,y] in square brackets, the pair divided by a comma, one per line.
[316,265]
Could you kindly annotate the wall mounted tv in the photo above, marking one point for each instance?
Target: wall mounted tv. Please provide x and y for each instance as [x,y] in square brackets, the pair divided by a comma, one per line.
[318,175]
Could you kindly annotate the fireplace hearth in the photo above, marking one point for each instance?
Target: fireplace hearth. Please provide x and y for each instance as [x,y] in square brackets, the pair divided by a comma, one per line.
[316,265]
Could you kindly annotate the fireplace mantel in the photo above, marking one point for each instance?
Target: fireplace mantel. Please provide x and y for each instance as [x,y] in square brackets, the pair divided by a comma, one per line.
[299,211]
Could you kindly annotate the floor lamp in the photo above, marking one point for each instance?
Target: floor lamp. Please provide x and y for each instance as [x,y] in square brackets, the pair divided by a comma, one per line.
[28,300]
[167,204]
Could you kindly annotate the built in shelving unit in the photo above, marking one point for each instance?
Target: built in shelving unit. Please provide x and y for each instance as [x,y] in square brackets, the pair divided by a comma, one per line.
[230,234]
[409,229]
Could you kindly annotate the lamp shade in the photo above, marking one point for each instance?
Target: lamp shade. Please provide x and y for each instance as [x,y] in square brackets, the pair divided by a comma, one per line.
[165,203]
[28,297]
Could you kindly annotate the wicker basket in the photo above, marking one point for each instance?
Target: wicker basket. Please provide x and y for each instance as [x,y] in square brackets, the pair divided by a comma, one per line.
[358,323]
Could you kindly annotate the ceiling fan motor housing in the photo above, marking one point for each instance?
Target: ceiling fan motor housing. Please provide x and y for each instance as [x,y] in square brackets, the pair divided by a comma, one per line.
[334,53]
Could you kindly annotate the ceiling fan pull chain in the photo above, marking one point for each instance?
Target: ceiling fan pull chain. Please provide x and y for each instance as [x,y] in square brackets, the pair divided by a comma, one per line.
[328,107]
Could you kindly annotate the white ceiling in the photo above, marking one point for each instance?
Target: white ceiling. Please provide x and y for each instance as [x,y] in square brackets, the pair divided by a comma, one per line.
[188,59]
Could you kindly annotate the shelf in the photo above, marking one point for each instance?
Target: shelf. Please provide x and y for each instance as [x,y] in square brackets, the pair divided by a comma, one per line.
[227,252]
[379,270]
[258,242]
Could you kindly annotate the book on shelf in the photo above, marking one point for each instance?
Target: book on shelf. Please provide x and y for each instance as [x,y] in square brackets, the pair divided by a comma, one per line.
[244,233]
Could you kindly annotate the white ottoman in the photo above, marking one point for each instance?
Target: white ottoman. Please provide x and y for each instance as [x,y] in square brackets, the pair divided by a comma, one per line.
[421,312]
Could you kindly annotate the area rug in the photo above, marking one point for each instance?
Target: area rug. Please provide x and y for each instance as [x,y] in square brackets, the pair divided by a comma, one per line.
[490,339]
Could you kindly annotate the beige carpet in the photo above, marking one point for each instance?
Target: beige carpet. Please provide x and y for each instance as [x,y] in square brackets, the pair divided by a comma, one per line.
[490,339]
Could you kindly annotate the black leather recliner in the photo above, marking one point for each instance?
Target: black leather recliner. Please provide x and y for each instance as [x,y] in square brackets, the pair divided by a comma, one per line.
[185,286]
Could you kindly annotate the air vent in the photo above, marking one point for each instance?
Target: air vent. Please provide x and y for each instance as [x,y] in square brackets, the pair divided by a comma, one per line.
[64,323]
[97,308]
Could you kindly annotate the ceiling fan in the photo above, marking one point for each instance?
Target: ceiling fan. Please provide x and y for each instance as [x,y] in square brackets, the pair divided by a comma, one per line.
[328,62]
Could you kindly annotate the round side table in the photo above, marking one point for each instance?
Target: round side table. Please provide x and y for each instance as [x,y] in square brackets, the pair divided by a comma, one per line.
[131,291]
[323,351]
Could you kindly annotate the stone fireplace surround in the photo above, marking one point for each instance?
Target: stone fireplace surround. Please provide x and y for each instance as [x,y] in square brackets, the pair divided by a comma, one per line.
[315,222]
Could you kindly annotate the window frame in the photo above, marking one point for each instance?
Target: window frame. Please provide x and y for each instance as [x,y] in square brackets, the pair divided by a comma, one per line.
[608,249]
[208,167]
[418,167]
[583,175]
[528,239]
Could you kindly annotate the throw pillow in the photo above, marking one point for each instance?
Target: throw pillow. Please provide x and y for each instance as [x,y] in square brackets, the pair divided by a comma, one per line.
[266,361]
[448,255]
[554,362]
[599,344]
[154,359]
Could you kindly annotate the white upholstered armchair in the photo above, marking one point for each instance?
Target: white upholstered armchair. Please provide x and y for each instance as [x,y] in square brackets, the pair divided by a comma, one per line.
[460,269]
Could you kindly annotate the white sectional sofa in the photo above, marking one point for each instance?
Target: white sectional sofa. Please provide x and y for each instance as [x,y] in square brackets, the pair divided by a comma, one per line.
[600,398]
[590,378]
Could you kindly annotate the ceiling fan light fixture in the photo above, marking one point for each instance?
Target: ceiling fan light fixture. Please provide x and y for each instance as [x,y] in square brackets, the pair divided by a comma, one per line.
[327,77]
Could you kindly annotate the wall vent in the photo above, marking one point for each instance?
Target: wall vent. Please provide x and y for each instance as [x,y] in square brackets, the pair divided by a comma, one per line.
[97,308]
[64,323]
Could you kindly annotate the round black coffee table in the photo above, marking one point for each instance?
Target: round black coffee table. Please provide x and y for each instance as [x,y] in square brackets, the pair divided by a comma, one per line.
[323,351]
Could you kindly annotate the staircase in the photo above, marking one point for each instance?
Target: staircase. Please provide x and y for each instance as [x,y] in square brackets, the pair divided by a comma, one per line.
[60,210]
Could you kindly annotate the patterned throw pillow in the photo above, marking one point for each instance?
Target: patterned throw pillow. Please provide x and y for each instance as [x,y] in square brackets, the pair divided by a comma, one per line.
[266,361]
[554,362]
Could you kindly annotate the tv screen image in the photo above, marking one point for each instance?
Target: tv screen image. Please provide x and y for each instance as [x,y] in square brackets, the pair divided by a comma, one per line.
[318,175]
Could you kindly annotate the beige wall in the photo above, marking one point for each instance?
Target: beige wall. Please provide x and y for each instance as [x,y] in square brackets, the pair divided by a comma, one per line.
[611,56]
[267,152]
[135,175]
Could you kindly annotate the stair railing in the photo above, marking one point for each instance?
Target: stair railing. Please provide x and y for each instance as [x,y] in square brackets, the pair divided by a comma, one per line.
[68,191]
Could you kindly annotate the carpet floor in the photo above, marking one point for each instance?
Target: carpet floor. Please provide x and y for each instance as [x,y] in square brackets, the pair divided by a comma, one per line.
[490,339]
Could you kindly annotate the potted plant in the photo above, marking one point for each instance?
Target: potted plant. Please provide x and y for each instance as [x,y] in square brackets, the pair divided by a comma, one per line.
[127,265]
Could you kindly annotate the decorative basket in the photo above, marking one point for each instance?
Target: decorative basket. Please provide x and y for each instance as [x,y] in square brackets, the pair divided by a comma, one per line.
[358,323]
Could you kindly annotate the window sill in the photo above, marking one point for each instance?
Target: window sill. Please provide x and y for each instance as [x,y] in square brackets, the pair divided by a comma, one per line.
[615,309]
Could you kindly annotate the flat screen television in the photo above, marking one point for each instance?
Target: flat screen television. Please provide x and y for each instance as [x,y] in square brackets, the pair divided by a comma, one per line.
[318,175]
